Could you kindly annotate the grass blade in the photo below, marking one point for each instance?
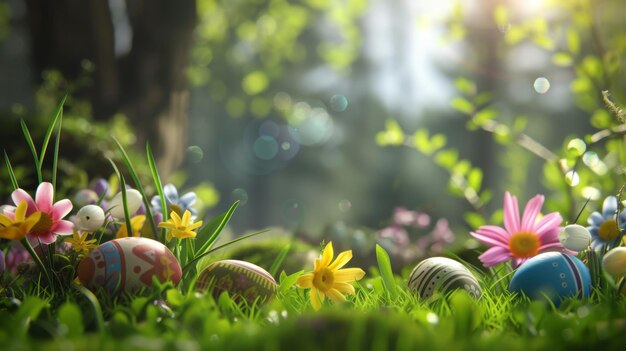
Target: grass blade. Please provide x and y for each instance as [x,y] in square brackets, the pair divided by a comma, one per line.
[95,304]
[157,184]
[384,265]
[216,225]
[198,257]
[57,115]
[55,156]
[279,259]
[10,170]
[135,178]
[129,228]
[33,150]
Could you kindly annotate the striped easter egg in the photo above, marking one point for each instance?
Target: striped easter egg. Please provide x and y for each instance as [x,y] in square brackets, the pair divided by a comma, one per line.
[443,275]
[552,275]
[239,278]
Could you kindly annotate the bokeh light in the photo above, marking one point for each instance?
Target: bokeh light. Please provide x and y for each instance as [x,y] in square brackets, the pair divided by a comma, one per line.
[345,205]
[240,195]
[265,147]
[541,85]
[293,211]
[338,103]
[195,154]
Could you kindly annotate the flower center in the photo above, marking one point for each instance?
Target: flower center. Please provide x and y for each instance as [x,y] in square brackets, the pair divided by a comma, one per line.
[324,279]
[43,226]
[608,230]
[524,244]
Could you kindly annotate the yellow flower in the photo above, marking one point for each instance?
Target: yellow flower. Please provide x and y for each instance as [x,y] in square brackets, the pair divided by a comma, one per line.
[17,227]
[136,223]
[181,228]
[328,279]
[80,243]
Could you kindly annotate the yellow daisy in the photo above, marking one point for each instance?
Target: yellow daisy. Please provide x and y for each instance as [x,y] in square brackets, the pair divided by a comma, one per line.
[136,223]
[328,279]
[17,227]
[80,243]
[181,228]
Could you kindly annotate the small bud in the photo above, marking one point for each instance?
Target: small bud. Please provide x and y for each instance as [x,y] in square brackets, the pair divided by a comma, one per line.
[85,197]
[575,237]
[614,261]
[90,218]
[133,201]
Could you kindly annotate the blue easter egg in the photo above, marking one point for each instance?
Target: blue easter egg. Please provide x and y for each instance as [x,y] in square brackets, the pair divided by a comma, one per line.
[552,275]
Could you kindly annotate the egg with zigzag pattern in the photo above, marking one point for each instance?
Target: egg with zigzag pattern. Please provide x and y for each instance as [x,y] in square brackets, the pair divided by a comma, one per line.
[441,274]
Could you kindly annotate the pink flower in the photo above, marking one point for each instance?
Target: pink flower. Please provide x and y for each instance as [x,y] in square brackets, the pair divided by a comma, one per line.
[51,223]
[519,241]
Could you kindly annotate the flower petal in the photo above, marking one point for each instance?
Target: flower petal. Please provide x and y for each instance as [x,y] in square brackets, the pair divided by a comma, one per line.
[170,192]
[347,275]
[44,197]
[595,219]
[335,295]
[327,255]
[45,238]
[492,236]
[511,213]
[609,207]
[341,260]
[21,195]
[531,212]
[315,299]
[20,211]
[344,288]
[495,255]
[548,224]
[186,218]
[61,209]
[62,227]
[188,199]
[305,281]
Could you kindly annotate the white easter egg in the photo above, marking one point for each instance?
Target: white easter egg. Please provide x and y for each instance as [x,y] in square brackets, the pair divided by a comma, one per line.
[614,261]
[133,201]
[575,237]
[90,218]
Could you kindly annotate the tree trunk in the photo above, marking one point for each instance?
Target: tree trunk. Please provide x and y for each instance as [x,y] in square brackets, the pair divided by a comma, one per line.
[147,84]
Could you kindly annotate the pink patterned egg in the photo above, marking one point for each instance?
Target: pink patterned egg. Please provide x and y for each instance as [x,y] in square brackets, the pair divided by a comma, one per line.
[127,265]
[240,278]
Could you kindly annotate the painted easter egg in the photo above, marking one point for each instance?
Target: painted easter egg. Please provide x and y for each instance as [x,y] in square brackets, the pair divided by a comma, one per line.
[133,202]
[443,275]
[127,265]
[90,218]
[552,275]
[614,261]
[241,279]
[575,237]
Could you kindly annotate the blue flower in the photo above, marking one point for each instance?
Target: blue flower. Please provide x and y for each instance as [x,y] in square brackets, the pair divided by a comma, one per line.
[175,203]
[604,226]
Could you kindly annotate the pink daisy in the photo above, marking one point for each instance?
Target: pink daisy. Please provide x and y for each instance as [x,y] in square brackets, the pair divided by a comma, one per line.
[51,223]
[520,240]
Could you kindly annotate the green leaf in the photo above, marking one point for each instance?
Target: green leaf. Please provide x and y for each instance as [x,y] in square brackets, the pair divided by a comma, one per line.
[58,114]
[573,41]
[421,142]
[214,228]
[95,305]
[28,311]
[465,86]
[562,59]
[462,105]
[515,34]
[287,281]
[474,219]
[157,183]
[10,171]
[475,179]
[437,142]
[70,316]
[447,158]
[485,115]
[384,265]
[544,42]
[500,15]
[279,259]
[392,135]
[55,156]
[33,150]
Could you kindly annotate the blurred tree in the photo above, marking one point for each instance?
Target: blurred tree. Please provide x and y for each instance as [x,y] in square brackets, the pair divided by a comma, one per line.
[146,83]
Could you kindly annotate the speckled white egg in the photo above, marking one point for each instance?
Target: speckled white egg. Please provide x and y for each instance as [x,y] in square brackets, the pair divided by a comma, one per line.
[443,275]
[90,218]
[614,261]
[575,237]
[133,201]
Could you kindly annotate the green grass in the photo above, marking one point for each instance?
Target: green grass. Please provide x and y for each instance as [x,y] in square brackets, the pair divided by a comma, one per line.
[166,318]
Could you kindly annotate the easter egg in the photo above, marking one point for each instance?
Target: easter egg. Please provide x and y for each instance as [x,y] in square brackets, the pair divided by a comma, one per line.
[443,275]
[239,278]
[133,202]
[127,265]
[552,275]
[614,261]
[90,218]
[575,237]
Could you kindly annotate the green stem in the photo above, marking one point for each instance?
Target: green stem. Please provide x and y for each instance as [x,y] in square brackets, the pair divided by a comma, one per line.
[38,261]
